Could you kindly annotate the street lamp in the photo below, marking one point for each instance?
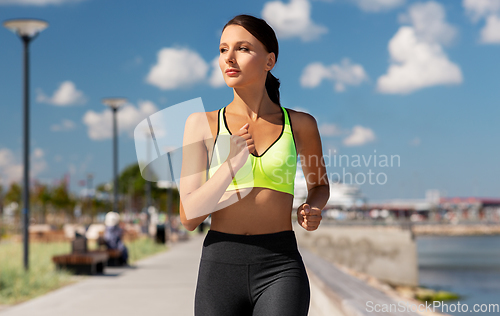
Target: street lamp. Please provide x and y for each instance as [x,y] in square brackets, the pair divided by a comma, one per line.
[27,30]
[114,104]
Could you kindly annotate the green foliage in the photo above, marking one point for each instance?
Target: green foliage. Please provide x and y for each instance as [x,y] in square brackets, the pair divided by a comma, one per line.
[429,295]
[130,180]
[16,285]
[60,197]
[14,194]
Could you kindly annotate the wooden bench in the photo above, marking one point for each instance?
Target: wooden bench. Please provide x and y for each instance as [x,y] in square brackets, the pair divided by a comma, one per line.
[80,260]
[114,255]
[82,263]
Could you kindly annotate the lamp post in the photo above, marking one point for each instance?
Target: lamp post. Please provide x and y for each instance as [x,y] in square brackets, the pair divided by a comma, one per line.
[27,30]
[114,104]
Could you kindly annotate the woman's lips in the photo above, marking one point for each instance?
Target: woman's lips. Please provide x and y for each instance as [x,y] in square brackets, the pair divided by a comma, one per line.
[232,72]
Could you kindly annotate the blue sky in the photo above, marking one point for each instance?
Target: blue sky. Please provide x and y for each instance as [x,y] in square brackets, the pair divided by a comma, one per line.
[417,79]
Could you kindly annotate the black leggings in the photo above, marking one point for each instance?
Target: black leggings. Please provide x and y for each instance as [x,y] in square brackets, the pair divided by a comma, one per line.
[254,275]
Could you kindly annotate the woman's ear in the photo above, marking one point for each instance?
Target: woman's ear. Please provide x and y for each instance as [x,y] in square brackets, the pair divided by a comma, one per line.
[271,60]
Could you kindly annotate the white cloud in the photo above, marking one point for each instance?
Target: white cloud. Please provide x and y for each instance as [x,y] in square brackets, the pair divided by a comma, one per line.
[417,56]
[378,5]
[36,2]
[344,74]
[11,169]
[38,163]
[329,129]
[177,68]
[416,65]
[65,125]
[128,116]
[360,135]
[67,94]
[478,9]
[292,20]
[216,79]
[429,22]
[490,11]
[490,34]
[38,153]
[313,74]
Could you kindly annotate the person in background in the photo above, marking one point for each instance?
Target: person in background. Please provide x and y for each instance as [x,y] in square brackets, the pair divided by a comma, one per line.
[113,235]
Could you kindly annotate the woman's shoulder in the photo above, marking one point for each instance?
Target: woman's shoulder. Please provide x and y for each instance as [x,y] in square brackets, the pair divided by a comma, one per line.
[196,117]
[301,120]
[197,122]
[304,127]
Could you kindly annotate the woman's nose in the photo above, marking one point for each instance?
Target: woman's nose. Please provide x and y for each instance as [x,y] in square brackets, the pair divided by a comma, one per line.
[230,57]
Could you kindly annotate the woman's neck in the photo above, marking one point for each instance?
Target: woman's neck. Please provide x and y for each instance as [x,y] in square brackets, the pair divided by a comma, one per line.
[252,102]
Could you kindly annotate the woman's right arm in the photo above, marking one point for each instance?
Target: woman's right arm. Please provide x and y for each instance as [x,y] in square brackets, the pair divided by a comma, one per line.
[199,197]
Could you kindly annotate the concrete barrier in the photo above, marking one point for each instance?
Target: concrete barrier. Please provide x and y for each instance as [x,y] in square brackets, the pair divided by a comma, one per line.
[387,253]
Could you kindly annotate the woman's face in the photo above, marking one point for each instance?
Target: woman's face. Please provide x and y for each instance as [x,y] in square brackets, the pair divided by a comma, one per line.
[240,50]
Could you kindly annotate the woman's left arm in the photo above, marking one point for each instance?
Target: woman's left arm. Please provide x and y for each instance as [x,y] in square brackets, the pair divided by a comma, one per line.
[310,152]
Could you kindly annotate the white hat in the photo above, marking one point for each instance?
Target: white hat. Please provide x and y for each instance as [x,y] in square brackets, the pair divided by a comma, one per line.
[112,218]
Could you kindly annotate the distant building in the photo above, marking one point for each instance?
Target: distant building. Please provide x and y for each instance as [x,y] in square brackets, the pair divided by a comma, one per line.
[342,196]
[435,207]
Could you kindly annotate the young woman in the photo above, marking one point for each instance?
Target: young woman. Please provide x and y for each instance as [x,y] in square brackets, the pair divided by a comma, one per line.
[250,263]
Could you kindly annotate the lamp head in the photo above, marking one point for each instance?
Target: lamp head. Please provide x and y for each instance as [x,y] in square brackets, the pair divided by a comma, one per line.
[114,103]
[26,28]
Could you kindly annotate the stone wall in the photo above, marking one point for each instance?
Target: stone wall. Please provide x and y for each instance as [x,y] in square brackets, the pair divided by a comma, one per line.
[387,253]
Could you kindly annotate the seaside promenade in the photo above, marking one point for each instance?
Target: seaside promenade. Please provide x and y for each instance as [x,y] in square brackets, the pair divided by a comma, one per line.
[164,284]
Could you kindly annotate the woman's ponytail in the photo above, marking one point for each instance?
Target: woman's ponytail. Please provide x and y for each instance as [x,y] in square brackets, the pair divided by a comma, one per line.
[272,87]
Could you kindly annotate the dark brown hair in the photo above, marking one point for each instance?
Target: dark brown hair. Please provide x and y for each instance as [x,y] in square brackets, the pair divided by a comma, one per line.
[265,34]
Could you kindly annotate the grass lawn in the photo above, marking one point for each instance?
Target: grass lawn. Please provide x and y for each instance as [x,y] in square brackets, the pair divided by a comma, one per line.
[17,286]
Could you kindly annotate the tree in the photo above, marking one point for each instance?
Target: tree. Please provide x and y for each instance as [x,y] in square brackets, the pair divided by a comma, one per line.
[1,200]
[42,197]
[61,200]
[13,194]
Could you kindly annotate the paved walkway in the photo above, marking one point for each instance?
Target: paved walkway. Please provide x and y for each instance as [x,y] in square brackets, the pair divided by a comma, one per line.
[163,284]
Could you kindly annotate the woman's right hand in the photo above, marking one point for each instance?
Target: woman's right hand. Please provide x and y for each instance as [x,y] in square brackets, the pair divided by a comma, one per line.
[241,145]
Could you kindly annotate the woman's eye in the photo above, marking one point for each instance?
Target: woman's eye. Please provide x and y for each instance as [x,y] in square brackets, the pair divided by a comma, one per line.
[222,50]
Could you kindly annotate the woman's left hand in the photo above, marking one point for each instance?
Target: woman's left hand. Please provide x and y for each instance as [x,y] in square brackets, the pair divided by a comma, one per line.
[308,217]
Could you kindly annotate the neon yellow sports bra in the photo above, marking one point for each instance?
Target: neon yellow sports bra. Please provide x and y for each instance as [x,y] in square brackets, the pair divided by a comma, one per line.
[274,169]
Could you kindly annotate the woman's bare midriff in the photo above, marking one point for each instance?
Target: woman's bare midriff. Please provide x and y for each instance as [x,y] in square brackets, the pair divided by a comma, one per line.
[261,211]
